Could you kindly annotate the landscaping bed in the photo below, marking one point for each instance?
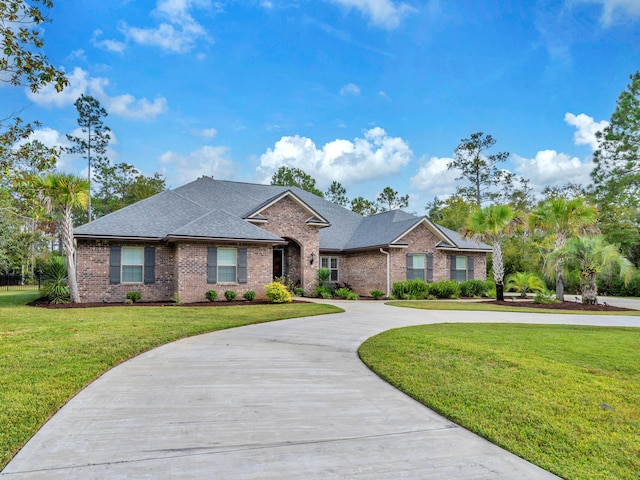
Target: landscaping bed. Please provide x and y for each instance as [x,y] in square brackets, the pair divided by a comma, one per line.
[577,306]
[43,302]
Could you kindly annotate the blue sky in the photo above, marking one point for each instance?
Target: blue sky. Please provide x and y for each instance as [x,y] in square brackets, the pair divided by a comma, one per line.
[367,92]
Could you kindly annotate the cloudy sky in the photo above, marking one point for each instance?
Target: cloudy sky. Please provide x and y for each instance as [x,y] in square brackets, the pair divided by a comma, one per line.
[367,92]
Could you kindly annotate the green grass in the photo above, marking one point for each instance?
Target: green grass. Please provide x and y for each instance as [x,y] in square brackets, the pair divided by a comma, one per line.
[541,392]
[46,356]
[488,307]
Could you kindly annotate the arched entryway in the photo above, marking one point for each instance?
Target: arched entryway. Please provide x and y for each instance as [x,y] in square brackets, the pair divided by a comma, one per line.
[287,262]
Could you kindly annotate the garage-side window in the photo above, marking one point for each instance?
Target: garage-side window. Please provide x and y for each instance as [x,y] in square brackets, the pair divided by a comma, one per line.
[332,263]
[227,265]
[132,264]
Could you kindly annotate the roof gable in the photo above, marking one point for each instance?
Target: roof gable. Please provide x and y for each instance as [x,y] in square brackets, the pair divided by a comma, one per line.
[315,217]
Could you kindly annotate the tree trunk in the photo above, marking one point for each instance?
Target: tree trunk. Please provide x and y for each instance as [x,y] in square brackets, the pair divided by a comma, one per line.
[498,270]
[559,284]
[500,292]
[70,251]
[590,291]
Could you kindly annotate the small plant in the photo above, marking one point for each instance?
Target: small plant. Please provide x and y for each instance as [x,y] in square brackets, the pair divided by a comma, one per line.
[446,289]
[323,292]
[133,296]
[230,295]
[211,295]
[277,293]
[55,287]
[545,297]
[524,282]
[175,298]
[346,293]
[128,301]
[324,277]
[299,292]
[249,296]
[376,294]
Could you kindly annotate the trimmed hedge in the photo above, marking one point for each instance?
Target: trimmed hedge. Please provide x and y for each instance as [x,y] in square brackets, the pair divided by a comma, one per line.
[419,289]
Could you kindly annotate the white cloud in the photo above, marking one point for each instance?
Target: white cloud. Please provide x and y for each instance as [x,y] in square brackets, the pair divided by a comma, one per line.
[178,31]
[207,133]
[383,94]
[377,155]
[81,83]
[382,13]
[586,129]
[435,178]
[350,89]
[109,45]
[616,10]
[550,168]
[208,160]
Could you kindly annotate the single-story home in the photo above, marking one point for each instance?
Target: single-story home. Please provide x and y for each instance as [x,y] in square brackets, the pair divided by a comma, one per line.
[223,235]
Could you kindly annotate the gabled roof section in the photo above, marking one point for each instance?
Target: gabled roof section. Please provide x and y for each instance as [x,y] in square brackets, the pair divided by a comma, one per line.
[316,218]
[457,242]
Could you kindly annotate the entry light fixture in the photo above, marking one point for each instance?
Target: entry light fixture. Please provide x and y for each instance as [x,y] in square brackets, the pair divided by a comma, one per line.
[313,258]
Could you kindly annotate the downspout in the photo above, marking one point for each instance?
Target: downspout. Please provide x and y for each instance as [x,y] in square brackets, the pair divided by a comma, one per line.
[388,272]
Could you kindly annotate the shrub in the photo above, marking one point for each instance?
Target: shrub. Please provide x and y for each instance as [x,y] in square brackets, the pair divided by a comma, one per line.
[230,295]
[474,288]
[249,295]
[524,282]
[324,277]
[277,293]
[411,289]
[323,292]
[299,292]
[211,295]
[376,294]
[55,287]
[133,296]
[545,297]
[446,289]
[346,293]
[175,298]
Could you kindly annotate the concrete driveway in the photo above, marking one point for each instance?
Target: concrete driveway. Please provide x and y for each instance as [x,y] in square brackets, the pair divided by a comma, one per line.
[281,400]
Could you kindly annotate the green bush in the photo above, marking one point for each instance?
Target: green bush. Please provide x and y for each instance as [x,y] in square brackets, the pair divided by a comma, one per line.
[323,292]
[445,289]
[176,299]
[346,293]
[545,297]
[230,295]
[411,289]
[277,293]
[324,277]
[133,296]
[211,295]
[299,292]
[474,288]
[376,294]
[249,295]
[55,287]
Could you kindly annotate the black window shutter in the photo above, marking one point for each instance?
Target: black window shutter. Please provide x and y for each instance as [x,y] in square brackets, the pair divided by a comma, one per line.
[409,266]
[429,267]
[453,267]
[242,265]
[149,265]
[114,265]
[470,276]
[212,265]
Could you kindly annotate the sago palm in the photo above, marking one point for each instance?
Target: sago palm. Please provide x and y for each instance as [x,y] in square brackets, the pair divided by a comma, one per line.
[492,224]
[593,257]
[525,282]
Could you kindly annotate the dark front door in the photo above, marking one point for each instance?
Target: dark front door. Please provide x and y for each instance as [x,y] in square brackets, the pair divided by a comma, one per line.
[278,263]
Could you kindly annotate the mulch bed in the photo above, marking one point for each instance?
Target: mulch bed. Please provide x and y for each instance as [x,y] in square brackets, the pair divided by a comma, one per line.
[42,302]
[577,306]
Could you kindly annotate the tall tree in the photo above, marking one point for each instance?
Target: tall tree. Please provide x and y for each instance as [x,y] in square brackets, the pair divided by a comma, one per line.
[451,213]
[616,174]
[295,177]
[492,224]
[337,194]
[593,257]
[64,192]
[93,146]
[563,219]
[477,167]
[390,199]
[364,207]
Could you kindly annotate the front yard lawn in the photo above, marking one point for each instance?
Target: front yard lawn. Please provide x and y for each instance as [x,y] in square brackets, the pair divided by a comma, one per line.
[566,398]
[47,356]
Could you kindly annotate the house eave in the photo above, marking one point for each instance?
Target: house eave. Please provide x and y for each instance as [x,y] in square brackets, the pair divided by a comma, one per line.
[192,238]
[127,238]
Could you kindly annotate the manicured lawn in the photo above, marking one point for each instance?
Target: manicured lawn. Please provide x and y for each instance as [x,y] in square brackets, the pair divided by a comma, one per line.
[566,398]
[488,307]
[46,356]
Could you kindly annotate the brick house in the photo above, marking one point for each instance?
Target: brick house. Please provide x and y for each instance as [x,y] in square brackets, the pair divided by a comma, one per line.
[213,234]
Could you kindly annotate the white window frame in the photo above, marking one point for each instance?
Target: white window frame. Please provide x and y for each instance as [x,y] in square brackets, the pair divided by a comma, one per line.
[424,266]
[327,262]
[123,265]
[466,268]
[227,265]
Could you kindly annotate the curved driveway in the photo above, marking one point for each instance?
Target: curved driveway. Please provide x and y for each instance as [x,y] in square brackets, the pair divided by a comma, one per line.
[281,400]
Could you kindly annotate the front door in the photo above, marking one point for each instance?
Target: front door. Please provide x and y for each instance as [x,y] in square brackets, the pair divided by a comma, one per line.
[278,263]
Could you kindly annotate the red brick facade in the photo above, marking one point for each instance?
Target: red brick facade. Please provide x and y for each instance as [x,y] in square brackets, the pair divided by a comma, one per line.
[181,267]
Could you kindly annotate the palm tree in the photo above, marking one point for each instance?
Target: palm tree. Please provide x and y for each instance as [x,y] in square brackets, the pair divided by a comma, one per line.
[593,257]
[64,192]
[491,224]
[524,282]
[564,218]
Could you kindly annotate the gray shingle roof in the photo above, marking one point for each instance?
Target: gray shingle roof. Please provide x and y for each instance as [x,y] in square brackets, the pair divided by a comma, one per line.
[217,209]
